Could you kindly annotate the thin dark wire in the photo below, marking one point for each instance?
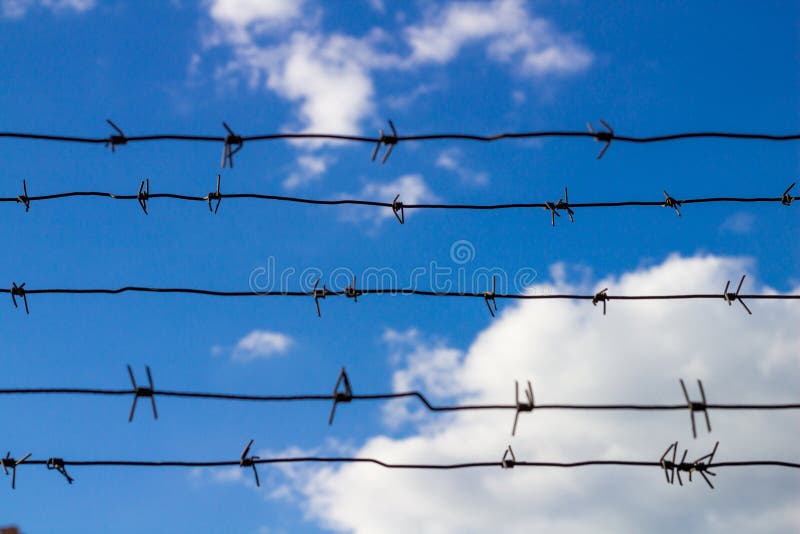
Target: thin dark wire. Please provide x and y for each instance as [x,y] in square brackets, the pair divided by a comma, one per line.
[388,396]
[388,291]
[389,465]
[124,139]
[786,200]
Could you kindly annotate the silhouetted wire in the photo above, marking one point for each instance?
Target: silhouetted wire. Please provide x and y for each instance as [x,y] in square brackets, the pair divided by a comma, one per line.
[786,199]
[389,396]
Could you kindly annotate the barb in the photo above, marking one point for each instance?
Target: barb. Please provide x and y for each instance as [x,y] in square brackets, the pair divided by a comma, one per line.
[388,141]
[696,406]
[604,136]
[672,468]
[352,292]
[245,461]
[340,395]
[324,293]
[522,406]
[214,195]
[731,297]
[228,149]
[114,140]
[489,297]
[398,208]
[23,198]
[10,463]
[58,465]
[19,291]
[142,392]
[786,198]
[670,202]
[601,296]
[144,194]
[702,465]
[343,392]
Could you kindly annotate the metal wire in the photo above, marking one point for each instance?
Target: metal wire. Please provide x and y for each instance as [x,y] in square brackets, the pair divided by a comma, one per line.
[562,205]
[234,142]
[20,291]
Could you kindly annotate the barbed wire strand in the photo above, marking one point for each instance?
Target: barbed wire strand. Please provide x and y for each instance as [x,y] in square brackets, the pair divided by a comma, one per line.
[234,142]
[343,393]
[144,195]
[702,465]
[20,291]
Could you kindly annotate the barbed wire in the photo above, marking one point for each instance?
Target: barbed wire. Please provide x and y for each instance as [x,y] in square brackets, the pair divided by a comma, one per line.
[352,292]
[671,467]
[343,393]
[233,142]
[214,198]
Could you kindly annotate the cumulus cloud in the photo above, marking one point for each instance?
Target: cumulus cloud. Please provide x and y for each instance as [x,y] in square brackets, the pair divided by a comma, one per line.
[575,354]
[18,8]
[511,33]
[329,76]
[310,168]
[257,344]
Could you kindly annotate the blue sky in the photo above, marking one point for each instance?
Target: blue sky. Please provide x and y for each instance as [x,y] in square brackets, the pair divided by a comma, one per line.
[170,67]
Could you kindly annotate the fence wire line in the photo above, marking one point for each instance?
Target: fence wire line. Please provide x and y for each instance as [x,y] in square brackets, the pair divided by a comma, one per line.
[398,207]
[671,467]
[234,142]
[343,393]
[352,292]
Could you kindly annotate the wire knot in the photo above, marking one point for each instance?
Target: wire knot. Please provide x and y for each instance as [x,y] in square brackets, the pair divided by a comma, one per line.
[352,292]
[10,463]
[695,406]
[731,297]
[319,294]
[489,297]
[250,461]
[398,210]
[786,198]
[385,140]
[231,140]
[522,406]
[58,465]
[509,460]
[670,202]
[339,394]
[139,391]
[601,296]
[19,291]
[115,139]
[562,204]
[144,194]
[602,136]
[23,198]
[701,465]
[215,195]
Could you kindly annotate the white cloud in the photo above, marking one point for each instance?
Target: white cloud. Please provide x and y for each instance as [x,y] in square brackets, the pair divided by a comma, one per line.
[310,168]
[411,188]
[330,76]
[18,8]
[738,223]
[575,354]
[246,12]
[257,344]
[451,160]
[512,35]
